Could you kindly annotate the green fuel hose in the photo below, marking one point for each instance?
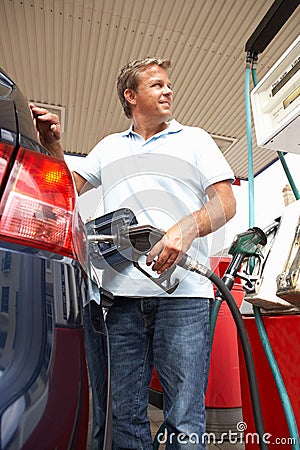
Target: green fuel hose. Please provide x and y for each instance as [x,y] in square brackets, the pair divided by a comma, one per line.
[249,142]
[288,174]
[213,317]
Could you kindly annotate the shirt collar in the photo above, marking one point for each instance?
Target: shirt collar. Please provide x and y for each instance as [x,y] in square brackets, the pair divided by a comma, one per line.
[173,127]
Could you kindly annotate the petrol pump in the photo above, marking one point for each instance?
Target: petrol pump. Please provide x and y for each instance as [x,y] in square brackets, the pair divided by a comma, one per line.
[275,292]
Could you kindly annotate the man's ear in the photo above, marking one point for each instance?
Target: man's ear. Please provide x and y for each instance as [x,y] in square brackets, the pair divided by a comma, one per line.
[130,96]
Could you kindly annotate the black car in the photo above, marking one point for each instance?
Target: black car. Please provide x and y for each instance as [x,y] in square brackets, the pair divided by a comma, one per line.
[43,373]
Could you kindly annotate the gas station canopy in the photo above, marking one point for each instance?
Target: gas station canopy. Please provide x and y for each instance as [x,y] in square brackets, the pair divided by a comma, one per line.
[67,55]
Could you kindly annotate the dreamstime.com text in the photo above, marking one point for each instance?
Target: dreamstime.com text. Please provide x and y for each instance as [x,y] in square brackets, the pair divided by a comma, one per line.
[232,437]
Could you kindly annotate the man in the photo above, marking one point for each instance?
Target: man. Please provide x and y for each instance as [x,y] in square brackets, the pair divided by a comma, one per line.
[175,178]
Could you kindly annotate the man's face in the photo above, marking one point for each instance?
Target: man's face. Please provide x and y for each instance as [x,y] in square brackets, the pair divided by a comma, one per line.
[154,93]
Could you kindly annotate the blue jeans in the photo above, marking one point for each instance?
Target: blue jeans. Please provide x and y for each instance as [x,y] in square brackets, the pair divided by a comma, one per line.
[173,334]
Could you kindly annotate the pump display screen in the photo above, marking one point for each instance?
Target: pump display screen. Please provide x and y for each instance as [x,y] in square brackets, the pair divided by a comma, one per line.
[286,77]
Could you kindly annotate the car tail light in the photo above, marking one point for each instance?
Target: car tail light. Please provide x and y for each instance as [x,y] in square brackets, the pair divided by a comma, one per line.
[38,207]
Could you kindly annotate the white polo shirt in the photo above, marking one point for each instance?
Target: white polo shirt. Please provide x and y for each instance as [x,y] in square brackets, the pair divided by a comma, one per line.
[161,180]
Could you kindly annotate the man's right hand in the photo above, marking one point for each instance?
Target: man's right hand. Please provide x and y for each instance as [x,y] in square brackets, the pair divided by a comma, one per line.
[48,130]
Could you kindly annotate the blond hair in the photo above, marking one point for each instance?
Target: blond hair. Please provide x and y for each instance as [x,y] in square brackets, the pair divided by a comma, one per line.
[129,77]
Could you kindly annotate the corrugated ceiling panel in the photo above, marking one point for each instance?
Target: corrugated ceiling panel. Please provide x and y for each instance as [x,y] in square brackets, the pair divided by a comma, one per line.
[69,53]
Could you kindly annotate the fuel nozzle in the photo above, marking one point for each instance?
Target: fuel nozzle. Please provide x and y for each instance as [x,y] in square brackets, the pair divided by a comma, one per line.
[244,245]
[248,242]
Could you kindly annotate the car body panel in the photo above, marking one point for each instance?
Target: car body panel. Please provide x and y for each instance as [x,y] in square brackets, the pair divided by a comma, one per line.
[43,383]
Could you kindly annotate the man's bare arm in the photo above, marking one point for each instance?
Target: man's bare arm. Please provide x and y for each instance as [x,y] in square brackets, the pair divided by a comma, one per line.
[81,184]
[220,208]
